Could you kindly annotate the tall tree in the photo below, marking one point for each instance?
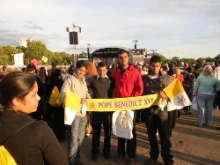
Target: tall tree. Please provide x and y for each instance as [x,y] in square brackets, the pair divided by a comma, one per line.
[35,49]
[200,61]
[6,54]
[209,59]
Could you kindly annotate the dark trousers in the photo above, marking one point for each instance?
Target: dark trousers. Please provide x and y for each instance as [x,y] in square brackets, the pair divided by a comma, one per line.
[97,119]
[157,119]
[131,143]
[58,122]
[217,99]
[187,108]
[172,116]
[140,116]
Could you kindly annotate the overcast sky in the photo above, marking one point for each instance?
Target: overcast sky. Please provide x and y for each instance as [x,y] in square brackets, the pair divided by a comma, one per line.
[184,28]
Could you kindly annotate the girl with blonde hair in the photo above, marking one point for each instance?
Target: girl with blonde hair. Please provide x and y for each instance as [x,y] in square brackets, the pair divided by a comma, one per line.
[91,72]
[204,90]
[91,69]
[179,74]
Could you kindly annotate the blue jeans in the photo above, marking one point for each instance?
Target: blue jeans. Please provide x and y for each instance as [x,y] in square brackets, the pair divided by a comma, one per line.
[77,134]
[205,106]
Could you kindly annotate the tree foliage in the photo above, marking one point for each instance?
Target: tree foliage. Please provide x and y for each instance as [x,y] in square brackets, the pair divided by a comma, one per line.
[38,49]
[35,49]
[6,54]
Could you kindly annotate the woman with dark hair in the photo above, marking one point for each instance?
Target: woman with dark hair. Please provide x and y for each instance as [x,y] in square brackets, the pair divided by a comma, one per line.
[35,143]
[42,88]
[91,72]
[71,70]
[172,111]
[39,113]
[189,80]
[42,75]
[57,112]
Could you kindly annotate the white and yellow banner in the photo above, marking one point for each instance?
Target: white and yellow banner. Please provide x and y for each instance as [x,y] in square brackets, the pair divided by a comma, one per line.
[119,104]
[72,103]
[174,91]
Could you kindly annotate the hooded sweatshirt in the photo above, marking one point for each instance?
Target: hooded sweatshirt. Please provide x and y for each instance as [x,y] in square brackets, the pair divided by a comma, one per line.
[78,86]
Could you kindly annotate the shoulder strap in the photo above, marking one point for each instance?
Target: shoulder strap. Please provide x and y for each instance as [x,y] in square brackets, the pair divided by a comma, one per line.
[18,130]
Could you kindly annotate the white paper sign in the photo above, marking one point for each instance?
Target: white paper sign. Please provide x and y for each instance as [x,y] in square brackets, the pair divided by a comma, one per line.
[69,116]
[122,124]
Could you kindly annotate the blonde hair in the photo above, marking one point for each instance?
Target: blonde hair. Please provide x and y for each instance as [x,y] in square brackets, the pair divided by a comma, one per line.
[208,70]
[177,70]
[91,69]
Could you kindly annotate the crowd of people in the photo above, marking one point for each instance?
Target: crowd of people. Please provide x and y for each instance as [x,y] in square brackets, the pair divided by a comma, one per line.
[24,95]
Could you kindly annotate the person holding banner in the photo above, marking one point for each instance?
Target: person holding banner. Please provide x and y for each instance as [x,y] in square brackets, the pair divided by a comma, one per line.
[99,85]
[156,118]
[76,83]
[126,81]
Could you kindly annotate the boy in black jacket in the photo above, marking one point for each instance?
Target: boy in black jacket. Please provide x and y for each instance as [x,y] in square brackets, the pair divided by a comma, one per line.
[100,85]
[156,118]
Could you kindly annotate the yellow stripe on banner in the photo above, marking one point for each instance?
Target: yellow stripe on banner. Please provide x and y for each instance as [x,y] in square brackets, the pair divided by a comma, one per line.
[72,101]
[118,104]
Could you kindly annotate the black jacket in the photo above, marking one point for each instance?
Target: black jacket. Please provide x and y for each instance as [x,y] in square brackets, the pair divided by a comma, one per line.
[33,144]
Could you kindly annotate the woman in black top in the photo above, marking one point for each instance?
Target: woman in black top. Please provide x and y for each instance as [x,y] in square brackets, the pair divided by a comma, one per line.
[35,144]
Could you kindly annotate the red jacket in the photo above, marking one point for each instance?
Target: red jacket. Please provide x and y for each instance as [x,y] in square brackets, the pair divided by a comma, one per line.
[129,83]
[180,77]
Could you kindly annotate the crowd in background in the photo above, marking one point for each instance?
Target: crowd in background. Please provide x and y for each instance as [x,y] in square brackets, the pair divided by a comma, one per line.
[186,73]
[201,82]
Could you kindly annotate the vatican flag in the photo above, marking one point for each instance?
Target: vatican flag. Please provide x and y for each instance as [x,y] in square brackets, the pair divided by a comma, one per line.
[177,95]
[72,104]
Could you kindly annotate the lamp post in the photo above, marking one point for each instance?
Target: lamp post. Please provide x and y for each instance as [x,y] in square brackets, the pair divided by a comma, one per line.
[88,46]
[135,43]
[73,38]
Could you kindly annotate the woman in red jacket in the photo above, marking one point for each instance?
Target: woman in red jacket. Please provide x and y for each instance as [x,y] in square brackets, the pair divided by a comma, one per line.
[179,74]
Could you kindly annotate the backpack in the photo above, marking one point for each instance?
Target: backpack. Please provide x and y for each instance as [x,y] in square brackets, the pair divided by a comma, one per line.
[188,83]
[5,157]
[54,99]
